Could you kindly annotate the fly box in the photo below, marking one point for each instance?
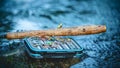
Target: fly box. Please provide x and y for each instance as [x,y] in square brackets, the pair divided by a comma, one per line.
[52,47]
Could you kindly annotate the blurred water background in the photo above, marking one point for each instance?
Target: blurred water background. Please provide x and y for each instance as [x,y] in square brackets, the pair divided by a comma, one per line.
[102,50]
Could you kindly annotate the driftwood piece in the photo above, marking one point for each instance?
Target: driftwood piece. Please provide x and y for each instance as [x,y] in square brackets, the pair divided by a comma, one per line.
[71,31]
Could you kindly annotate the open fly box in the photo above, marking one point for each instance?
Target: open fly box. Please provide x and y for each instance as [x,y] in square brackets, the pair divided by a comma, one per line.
[52,47]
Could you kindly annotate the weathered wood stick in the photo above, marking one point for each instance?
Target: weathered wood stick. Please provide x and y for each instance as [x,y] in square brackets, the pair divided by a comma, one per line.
[73,31]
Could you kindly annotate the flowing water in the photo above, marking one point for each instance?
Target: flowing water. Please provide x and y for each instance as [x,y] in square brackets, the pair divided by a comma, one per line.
[102,50]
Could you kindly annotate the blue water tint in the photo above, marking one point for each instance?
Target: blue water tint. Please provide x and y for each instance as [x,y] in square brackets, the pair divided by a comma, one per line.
[103,48]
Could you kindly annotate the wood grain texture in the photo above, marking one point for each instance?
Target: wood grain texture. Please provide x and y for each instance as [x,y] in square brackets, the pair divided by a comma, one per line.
[71,31]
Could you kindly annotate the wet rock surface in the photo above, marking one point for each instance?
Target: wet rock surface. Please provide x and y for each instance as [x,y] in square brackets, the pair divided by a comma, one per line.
[101,50]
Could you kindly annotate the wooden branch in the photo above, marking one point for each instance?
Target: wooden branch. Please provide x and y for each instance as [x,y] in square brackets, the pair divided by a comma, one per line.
[73,31]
